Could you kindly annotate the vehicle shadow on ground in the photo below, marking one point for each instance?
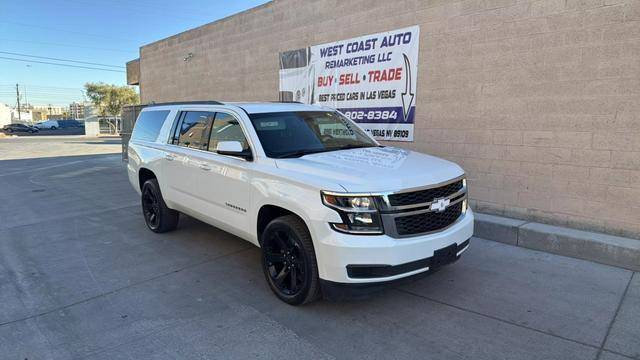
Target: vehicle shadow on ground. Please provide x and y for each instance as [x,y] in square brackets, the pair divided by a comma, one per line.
[103,142]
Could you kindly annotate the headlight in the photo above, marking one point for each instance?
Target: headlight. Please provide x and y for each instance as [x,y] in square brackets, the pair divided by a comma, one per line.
[359,214]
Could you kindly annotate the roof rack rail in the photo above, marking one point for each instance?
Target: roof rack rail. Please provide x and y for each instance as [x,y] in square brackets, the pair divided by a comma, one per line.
[203,102]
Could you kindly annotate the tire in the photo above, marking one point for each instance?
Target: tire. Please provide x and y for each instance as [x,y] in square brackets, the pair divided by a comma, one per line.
[158,217]
[289,260]
[53,128]
[9,131]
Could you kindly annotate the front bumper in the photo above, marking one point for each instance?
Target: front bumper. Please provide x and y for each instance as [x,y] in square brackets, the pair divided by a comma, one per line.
[368,259]
[440,258]
[350,291]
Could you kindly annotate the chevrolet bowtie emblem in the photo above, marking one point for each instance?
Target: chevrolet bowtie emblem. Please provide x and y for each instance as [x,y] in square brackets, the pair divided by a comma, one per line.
[440,205]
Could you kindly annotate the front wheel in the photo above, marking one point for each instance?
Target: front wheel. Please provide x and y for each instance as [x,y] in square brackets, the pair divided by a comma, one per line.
[289,260]
[157,215]
[53,128]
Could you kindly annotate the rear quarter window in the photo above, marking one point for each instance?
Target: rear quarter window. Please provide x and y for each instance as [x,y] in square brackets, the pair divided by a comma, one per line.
[148,125]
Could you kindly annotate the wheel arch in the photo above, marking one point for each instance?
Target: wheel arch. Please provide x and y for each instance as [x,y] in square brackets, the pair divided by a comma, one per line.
[268,212]
[145,174]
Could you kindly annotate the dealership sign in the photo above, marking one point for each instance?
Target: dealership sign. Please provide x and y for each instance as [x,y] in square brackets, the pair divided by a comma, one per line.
[371,79]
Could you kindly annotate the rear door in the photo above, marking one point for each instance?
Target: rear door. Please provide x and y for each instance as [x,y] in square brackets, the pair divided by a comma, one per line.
[189,135]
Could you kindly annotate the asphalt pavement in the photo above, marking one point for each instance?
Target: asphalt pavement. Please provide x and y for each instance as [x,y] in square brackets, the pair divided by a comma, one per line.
[82,278]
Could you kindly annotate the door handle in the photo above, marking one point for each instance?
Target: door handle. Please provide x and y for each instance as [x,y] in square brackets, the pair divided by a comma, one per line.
[170,157]
[204,166]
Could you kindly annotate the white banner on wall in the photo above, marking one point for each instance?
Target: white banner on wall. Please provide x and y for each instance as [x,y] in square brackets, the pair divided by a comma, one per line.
[371,79]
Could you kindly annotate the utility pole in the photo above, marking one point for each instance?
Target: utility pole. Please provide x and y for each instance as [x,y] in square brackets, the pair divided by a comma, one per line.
[18,98]
[26,99]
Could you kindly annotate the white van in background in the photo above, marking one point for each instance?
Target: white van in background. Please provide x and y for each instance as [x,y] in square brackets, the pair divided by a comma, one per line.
[49,124]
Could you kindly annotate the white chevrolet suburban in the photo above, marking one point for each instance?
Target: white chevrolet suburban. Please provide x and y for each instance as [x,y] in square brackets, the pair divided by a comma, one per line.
[333,211]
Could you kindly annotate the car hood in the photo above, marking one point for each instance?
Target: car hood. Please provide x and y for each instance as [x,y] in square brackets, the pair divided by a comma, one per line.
[374,169]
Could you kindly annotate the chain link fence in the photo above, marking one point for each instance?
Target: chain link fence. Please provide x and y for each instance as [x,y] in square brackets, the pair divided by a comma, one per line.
[129,115]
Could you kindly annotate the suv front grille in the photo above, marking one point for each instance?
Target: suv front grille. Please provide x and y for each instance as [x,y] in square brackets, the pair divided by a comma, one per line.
[424,196]
[428,221]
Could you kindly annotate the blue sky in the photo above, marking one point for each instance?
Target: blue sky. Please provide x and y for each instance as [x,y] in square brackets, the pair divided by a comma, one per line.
[106,32]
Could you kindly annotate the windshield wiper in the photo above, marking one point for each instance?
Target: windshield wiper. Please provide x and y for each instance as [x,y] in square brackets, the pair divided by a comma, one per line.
[299,153]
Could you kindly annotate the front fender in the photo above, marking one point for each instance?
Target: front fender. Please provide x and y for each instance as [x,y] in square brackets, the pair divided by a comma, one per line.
[300,199]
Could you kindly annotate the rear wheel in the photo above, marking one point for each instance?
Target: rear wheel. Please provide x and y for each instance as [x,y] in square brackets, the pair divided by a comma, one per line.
[289,260]
[158,217]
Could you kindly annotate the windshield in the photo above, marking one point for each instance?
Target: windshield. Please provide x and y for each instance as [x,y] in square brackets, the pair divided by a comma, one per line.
[294,134]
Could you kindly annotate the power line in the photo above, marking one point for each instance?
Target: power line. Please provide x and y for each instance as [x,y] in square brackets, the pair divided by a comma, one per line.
[43,92]
[58,59]
[146,6]
[39,92]
[43,86]
[65,45]
[67,65]
[151,11]
[67,31]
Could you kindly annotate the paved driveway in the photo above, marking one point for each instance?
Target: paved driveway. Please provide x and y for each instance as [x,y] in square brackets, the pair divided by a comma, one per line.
[81,277]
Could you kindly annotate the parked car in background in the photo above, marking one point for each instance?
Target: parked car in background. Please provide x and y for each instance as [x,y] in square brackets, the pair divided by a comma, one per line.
[49,124]
[19,128]
[64,124]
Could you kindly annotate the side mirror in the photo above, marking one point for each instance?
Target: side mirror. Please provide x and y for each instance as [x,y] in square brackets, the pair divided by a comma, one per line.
[233,148]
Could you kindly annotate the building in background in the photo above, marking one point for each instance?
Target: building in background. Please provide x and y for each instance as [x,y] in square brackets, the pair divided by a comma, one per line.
[39,115]
[76,110]
[5,114]
[539,101]
[50,112]
[10,115]
[22,117]
[95,125]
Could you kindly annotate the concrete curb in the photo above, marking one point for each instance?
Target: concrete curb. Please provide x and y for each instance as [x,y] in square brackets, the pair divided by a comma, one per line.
[606,249]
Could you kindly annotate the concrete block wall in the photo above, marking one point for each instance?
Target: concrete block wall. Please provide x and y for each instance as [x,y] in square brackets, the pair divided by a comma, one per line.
[539,101]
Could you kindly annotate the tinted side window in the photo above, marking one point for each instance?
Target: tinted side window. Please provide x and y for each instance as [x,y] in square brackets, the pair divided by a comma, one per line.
[193,131]
[226,128]
[148,125]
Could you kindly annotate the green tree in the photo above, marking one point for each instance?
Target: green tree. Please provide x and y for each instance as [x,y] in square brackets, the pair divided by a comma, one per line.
[109,99]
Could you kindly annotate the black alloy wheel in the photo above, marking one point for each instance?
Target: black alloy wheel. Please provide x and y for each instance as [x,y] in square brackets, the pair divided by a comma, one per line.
[289,261]
[158,217]
[285,263]
[151,208]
